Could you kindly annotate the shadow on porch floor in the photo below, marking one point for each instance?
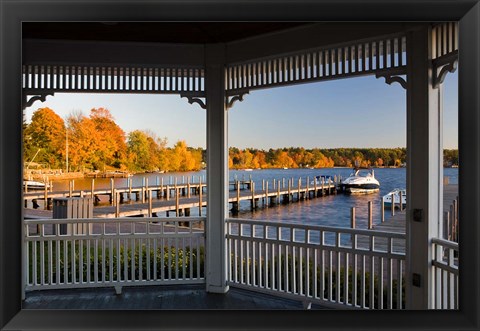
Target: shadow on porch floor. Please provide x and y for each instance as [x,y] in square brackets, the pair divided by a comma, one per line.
[157,297]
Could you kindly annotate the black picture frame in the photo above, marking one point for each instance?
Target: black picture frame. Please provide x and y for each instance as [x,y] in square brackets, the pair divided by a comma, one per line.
[13,13]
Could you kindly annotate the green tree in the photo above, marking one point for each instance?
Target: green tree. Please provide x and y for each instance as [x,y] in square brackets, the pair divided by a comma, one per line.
[138,150]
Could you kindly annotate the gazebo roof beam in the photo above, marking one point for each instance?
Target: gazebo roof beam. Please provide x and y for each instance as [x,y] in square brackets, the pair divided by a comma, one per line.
[109,53]
[326,35]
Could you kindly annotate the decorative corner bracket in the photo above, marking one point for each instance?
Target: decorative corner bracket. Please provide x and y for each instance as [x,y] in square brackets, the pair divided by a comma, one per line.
[442,66]
[393,78]
[231,99]
[37,97]
[195,98]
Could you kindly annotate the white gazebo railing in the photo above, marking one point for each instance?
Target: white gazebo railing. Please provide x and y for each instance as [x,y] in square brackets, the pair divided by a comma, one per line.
[341,267]
[80,253]
[445,270]
[331,266]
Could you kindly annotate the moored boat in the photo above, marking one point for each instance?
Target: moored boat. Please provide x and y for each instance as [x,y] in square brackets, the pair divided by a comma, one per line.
[387,198]
[35,185]
[361,182]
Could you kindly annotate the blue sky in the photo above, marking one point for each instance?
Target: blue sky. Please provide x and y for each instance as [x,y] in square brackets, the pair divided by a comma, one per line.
[357,112]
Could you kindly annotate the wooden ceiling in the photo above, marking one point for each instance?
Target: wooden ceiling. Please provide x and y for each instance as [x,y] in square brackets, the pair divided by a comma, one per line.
[162,32]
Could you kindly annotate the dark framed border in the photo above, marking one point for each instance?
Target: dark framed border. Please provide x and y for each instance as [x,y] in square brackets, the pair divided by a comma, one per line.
[13,12]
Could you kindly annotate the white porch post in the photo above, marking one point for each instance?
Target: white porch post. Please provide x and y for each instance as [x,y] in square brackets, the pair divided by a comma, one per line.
[424,171]
[217,169]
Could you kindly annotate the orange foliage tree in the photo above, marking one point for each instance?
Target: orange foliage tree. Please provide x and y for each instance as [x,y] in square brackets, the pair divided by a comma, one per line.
[45,135]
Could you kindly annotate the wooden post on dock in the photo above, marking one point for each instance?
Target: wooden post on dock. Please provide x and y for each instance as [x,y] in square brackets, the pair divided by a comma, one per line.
[289,190]
[274,184]
[315,187]
[263,184]
[238,195]
[167,192]
[92,187]
[382,210]
[147,193]
[393,204]
[299,186]
[150,204]
[177,199]
[266,195]
[161,187]
[401,203]
[199,196]
[45,198]
[352,217]
[112,187]
[323,186]
[283,182]
[73,184]
[130,180]
[70,189]
[175,183]
[188,187]
[278,192]
[143,189]
[117,205]
[307,192]
[370,215]
[252,186]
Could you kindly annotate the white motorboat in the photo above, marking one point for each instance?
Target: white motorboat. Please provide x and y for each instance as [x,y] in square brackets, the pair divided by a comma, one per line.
[387,198]
[35,185]
[361,182]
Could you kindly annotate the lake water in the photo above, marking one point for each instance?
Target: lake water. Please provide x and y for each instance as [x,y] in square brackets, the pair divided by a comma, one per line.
[333,210]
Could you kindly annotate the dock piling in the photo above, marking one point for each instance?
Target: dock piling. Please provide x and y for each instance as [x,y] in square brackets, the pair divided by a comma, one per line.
[352,217]
[370,215]
[393,204]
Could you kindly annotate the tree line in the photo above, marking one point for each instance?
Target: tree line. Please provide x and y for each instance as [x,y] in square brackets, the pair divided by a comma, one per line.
[96,142]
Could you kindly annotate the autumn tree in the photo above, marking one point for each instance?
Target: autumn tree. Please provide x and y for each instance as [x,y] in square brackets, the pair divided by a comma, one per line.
[111,146]
[46,134]
[82,140]
[184,159]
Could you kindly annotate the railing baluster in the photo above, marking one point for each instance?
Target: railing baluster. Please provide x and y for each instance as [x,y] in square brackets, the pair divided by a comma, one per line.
[57,261]
[346,268]
[363,289]
[355,275]
[50,262]
[399,284]
[380,286]
[34,263]
[372,274]
[119,255]
[337,269]
[80,261]
[241,263]
[110,260]
[272,266]
[73,262]
[140,259]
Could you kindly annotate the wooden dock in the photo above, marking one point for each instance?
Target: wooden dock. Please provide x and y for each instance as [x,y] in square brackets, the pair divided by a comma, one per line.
[180,198]
[397,223]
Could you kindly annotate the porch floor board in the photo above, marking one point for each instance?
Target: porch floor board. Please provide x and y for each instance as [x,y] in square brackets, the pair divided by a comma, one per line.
[175,297]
